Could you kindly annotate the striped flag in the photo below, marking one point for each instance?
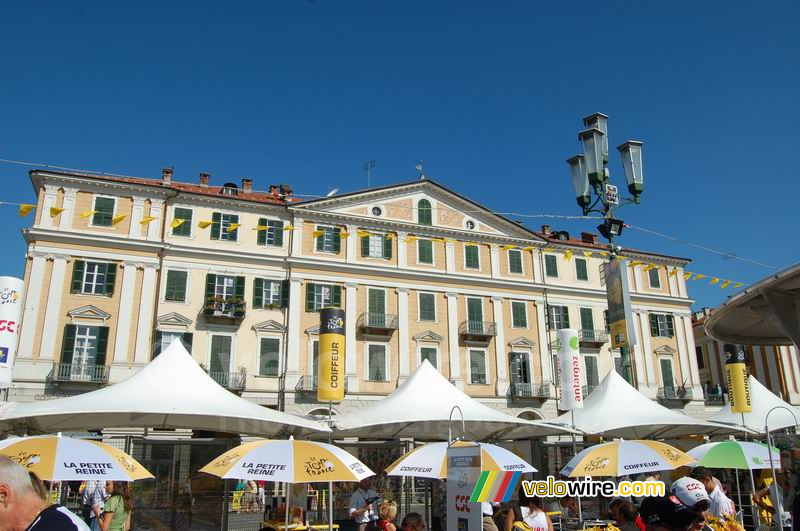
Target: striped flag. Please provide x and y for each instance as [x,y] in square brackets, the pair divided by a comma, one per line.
[495,486]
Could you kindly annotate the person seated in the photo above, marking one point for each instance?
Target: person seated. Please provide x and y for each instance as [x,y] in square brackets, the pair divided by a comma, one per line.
[567,506]
[624,514]
[528,514]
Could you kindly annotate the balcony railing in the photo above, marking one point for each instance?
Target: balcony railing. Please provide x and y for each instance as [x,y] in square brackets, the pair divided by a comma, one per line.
[224,310]
[477,330]
[80,372]
[674,393]
[587,389]
[529,390]
[308,384]
[377,322]
[589,336]
[714,399]
[233,381]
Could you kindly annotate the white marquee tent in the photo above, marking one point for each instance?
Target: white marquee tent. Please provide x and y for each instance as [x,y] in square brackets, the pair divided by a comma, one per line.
[421,408]
[762,400]
[616,409]
[172,391]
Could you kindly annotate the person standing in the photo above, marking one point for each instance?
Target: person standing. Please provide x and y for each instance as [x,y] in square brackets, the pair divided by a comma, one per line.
[362,504]
[720,504]
[388,512]
[93,498]
[118,507]
[529,510]
[488,509]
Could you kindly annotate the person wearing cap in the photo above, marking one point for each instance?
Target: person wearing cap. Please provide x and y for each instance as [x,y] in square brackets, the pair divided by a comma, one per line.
[670,513]
[721,505]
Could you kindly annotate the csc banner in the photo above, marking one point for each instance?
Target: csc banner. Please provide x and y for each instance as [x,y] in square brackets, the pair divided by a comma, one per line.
[569,369]
[738,386]
[330,387]
[10,314]
[463,473]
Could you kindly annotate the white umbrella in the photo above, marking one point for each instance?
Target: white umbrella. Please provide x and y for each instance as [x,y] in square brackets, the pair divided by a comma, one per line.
[622,458]
[430,461]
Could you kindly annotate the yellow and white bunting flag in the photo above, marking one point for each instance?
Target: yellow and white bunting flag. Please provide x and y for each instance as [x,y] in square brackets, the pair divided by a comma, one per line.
[260,227]
[587,254]
[725,284]
[25,209]
[650,266]
[528,248]
[738,285]
[411,239]
[204,224]
[604,254]
[344,234]
[147,219]
[568,254]
[176,223]
[116,219]
[699,276]
[55,211]
[317,233]
[635,263]
[687,275]
[714,280]
[289,227]
[507,247]
[673,272]
[88,213]
[234,226]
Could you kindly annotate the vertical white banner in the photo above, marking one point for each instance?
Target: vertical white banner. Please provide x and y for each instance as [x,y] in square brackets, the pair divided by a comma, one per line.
[463,473]
[10,313]
[569,369]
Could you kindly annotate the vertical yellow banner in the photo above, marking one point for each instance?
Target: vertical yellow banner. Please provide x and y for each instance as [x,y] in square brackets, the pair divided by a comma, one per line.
[738,387]
[331,368]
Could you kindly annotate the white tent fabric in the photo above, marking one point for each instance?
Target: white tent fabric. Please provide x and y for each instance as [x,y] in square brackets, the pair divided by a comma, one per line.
[172,391]
[421,408]
[762,400]
[617,409]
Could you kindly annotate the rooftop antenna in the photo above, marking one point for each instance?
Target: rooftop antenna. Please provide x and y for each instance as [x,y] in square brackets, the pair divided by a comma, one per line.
[332,192]
[418,167]
[368,166]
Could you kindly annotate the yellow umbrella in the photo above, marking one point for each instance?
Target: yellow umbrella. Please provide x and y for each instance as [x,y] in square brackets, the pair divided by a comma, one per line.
[622,458]
[57,458]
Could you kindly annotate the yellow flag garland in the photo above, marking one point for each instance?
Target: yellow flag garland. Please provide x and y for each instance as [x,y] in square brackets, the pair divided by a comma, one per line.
[55,211]
[204,224]
[176,223]
[234,226]
[25,209]
[147,219]
[568,255]
[117,219]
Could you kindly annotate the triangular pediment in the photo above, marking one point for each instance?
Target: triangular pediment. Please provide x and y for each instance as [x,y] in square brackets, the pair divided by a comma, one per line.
[89,312]
[665,350]
[313,330]
[390,205]
[269,326]
[173,319]
[521,342]
[429,336]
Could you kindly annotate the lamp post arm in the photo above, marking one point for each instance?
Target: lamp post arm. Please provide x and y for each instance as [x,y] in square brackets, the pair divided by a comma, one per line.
[778,496]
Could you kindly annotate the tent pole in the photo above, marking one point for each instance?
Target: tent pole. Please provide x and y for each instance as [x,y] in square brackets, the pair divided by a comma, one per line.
[739,495]
[574,453]
[330,483]
[286,505]
[756,515]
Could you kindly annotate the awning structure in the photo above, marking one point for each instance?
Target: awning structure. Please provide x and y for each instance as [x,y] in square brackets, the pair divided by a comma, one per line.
[172,391]
[421,408]
[766,313]
[762,401]
[617,409]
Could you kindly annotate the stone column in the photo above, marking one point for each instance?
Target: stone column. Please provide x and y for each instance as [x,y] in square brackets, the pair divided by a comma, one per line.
[54,310]
[401,250]
[352,240]
[147,307]
[293,332]
[494,255]
[544,347]
[452,340]
[297,237]
[30,312]
[154,227]
[642,358]
[49,201]
[402,335]
[537,267]
[450,257]
[137,213]
[351,311]
[120,368]
[65,219]
[500,347]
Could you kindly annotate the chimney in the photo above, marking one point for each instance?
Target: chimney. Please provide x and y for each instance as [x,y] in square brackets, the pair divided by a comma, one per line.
[274,190]
[286,190]
[166,176]
[588,237]
[546,229]
[247,185]
[204,180]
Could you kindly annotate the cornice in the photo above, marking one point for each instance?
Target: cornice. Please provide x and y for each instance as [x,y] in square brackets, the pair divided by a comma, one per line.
[66,236]
[88,184]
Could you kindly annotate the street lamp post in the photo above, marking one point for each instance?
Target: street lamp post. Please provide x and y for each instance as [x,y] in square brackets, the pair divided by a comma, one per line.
[590,177]
[778,494]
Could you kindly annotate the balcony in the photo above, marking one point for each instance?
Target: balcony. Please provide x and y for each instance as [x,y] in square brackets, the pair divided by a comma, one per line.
[714,399]
[592,338]
[308,384]
[587,389]
[224,311]
[666,394]
[478,331]
[80,372]
[377,323]
[529,390]
[232,381]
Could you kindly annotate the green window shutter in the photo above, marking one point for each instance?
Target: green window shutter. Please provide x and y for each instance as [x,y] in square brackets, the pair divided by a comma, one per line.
[262,233]
[102,346]
[111,278]
[172,281]
[587,319]
[670,326]
[365,246]
[278,228]
[427,307]
[216,225]
[180,287]
[514,261]
[425,248]
[580,269]
[387,248]
[156,343]
[233,236]
[653,325]
[565,316]
[321,240]
[211,284]
[424,215]
[336,297]
[655,279]
[518,315]
[185,228]
[550,265]
[186,339]
[471,256]
[68,347]
[239,288]
[309,297]
[78,269]
[104,211]
[285,293]
[337,239]
[258,293]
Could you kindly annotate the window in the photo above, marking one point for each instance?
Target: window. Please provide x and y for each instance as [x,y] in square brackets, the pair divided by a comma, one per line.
[224,227]
[269,293]
[667,379]
[519,314]
[83,352]
[655,279]
[376,301]
[515,261]
[162,340]
[376,211]
[606,321]
[329,239]
[701,361]
[477,366]
[270,232]
[475,315]
[221,355]
[581,273]
[520,368]
[662,325]
[376,363]
[424,212]
[185,228]
[427,307]
[618,366]
[319,296]
[103,211]
[424,251]
[176,286]
[269,359]
[470,225]
[558,317]
[550,265]
[225,287]
[93,278]
[592,373]
[587,319]
[431,354]
[314,362]
[376,246]
[472,257]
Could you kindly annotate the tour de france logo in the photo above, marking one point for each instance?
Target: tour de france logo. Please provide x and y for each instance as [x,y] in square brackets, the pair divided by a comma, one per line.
[317,466]
[671,454]
[8,296]
[26,459]
[226,460]
[335,323]
[127,463]
[598,463]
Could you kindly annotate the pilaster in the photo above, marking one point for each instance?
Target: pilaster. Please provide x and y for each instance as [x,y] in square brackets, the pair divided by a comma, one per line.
[49,201]
[65,219]
[154,227]
[137,213]
[494,255]
[401,250]
[351,243]
[120,368]
[544,350]
[351,310]
[54,311]
[294,332]
[450,257]
[297,237]
[144,324]
[402,334]
[500,347]
[30,312]
[452,340]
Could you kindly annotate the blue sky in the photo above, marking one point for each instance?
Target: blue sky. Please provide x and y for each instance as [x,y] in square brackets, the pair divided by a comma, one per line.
[489,94]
